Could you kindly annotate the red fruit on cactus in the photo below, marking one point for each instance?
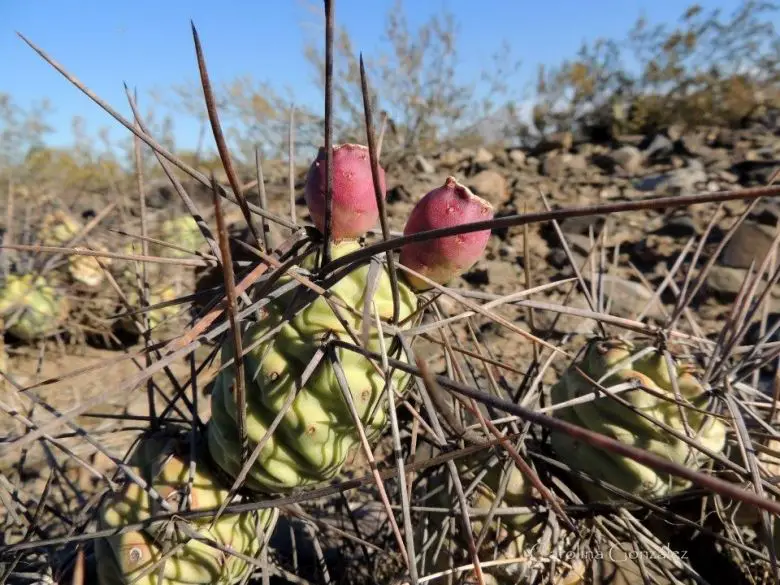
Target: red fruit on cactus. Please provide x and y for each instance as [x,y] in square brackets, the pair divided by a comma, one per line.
[443,259]
[354,210]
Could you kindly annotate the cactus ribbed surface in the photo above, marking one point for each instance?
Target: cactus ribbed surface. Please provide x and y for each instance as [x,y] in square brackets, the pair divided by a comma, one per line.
[40,307]
[58,228]
[164,463]
[314,438]
[183,231]
[613,361]
[86,270]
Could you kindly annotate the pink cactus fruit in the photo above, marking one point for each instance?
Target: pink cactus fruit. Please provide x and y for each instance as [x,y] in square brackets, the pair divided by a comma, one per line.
[354,210]
[443,259]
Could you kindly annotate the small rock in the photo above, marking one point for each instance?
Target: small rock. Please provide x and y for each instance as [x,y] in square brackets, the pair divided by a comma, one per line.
[726,177]
[766,213]
[552,166]
[658,148]
[558,141]
[581,225]
[517,156]
[676,182]
[555,165]
[422,165]
[629,158]
[452,158]
[629,298]
[483,156]
[563,323]
[725,138]
[490,185]
[726,280]
[751,242]
[674,132]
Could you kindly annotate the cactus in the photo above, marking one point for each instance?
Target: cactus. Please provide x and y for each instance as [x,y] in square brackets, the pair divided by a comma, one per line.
[182,231]
[613,361]
[86,270]
[513,535]
[443,259]
[354,199]
[317,433]
[163,462]
[40,308]
[161,292]
[58,228]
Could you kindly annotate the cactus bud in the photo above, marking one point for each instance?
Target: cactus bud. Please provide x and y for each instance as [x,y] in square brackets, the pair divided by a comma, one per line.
[354,201]
[443,259]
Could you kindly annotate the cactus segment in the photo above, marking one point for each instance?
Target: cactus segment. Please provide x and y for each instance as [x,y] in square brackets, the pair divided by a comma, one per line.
[443,259]
[161,293]
[164,463]
[511,536]
[354,200]
[182,231]
[41,309]
[613,361]
[58,228]
[86,270]
[317,433]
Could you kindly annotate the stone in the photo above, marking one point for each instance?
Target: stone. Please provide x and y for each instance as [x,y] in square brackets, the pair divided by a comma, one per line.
[555,165]
[452,158]
[658,148]
[562,323]
[629,158]
[482,156]
[558,141]
[628,298]
[750,243]
[678,182]
[726,280]
[517,156]
[423,165]
[490,185]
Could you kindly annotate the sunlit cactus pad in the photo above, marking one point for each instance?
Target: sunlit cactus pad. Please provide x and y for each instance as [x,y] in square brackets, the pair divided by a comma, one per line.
[316,434]
[611,362]
[136,556]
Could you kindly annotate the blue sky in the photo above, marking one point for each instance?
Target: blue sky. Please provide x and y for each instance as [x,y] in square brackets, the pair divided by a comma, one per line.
[148,43]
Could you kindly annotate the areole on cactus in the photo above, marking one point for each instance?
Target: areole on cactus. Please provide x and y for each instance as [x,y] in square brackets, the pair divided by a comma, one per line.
[354,207]
[163,461]
[31,307]
[315,436]
[614,361]
[443,259]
